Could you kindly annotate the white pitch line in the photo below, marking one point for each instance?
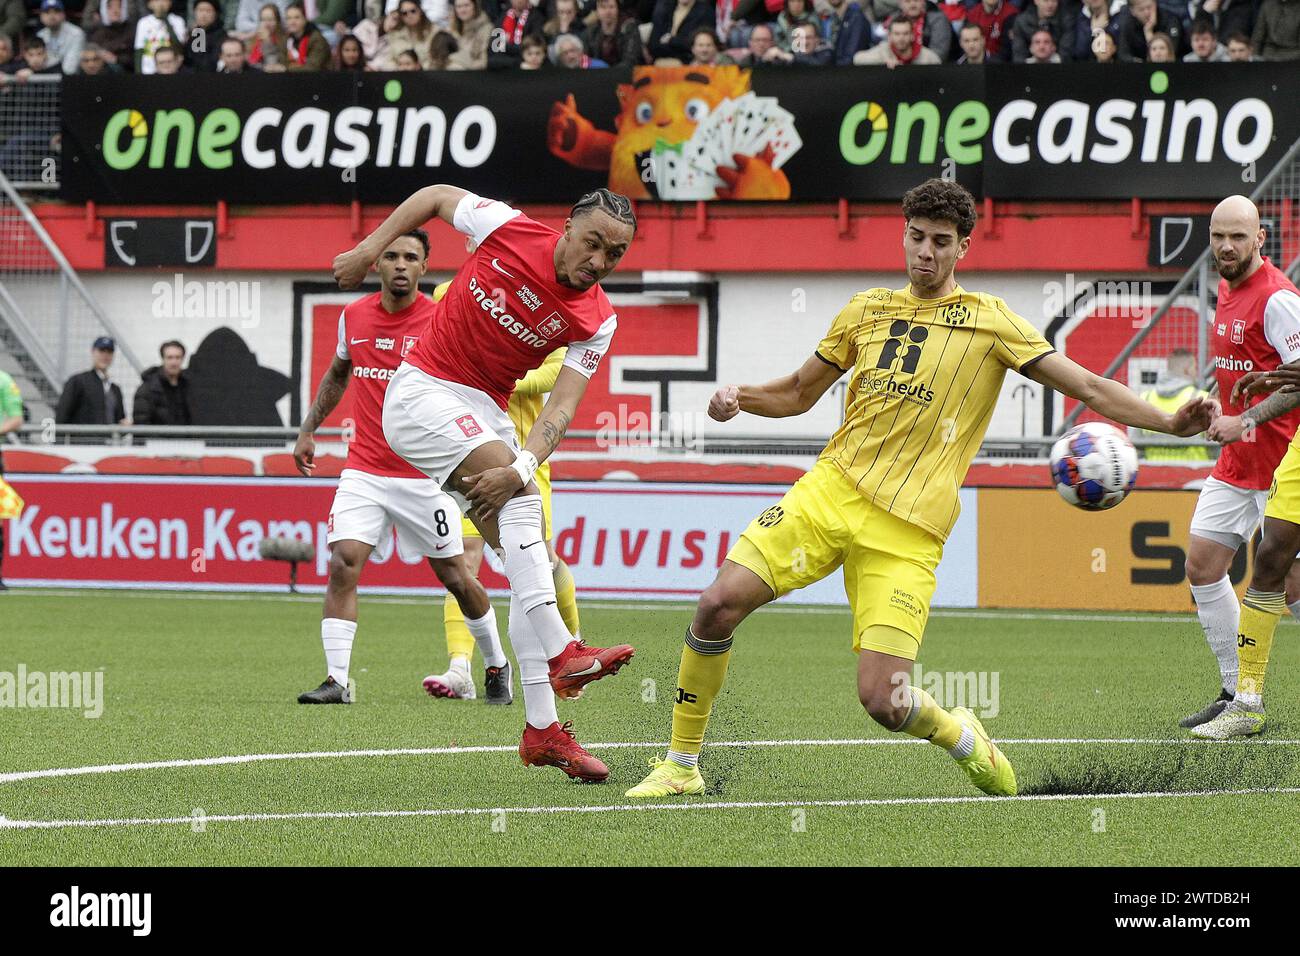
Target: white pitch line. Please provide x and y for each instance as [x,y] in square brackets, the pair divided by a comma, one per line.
[607,605]
[6,824]
[19,775]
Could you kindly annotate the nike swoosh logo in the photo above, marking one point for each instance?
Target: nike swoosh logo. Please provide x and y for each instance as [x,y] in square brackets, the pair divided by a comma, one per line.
[497,265]
[359,341]
[525,547]
[439,547]
[595,666]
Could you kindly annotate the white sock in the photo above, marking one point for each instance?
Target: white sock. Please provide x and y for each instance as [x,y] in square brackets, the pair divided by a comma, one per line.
[965,744]
[460,663]
[528,568]
[534,672]
[336,636]
[1220,612]
[685,760]
[485,634]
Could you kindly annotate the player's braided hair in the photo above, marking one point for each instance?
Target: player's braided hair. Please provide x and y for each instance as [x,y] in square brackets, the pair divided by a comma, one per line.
[943,201]
[616,205]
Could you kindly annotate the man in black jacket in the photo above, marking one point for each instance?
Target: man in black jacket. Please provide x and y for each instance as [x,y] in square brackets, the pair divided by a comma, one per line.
[90,398]
[163,397]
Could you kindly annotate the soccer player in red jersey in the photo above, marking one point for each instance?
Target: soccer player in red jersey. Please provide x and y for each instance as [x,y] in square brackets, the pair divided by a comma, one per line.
[377,489]
[524,291]
[1256,327]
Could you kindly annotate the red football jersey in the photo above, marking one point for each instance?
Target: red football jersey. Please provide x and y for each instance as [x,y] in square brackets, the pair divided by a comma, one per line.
[1256,326]
[505,312]
[376,341]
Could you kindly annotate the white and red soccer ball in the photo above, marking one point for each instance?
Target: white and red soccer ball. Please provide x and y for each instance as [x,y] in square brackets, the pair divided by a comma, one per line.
[1094,466]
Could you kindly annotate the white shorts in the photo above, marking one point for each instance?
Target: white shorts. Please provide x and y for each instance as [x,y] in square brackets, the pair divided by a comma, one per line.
[435,424]
[367,507]
[1226,514]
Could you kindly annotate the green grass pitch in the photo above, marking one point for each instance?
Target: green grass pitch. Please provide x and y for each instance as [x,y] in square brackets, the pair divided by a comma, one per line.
[197,676]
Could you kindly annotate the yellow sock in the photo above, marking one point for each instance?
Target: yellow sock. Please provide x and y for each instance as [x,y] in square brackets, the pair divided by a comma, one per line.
[1260,612]
[460,642]
[704,667]
[566,595]
[931,722]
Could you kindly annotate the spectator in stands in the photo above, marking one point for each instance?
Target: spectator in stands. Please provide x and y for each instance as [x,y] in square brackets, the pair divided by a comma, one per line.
[795,13]
[518,21]
[247,21]
[306,46]
[203,44]
[1160,49]
[473,31]
[1174,386]
[806,47]
[370,29]
[1091,18]
[993,17]
[706,49]
[901,47]
[13,17]
[163,397]
[350,55]
[167,61]
[92,63]
[733,18]
[267,50]
[614,37]
[441,47]
[439,12]
[971,41]
[159,29]
[6,51]
[532,53]
[1104,48]
[564,21]
[1229,16]
[114,33]
[1041,13]
[1142,21]
[34,62]
[674,25]
[845,27]
[1042,47]
[1240,49]
[1206,47]
[332,19]
[63,40]
[761,39]
[414,32]
[1277,30]
[569,54]
[408,61]
[233,57]
[933,29]
[92,397]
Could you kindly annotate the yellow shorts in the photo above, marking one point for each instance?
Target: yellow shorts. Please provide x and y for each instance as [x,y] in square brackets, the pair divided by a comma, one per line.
[824,522]
[543,480]
[1284,495]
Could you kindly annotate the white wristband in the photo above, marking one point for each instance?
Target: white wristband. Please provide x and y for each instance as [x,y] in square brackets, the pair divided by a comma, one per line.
[525,466]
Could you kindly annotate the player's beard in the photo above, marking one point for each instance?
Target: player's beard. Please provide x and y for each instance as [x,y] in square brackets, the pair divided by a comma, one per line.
[1232,270]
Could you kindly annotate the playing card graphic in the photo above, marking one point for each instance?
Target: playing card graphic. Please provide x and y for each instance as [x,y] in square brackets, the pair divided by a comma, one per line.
[684,133]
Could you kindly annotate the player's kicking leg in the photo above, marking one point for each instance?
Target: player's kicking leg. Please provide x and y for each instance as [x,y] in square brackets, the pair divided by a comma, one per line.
[1209,556]
[459,575]
[338,626]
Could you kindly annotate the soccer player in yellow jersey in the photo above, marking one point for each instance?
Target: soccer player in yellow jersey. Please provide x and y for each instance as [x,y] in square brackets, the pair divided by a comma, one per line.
[525,405]
[926,365]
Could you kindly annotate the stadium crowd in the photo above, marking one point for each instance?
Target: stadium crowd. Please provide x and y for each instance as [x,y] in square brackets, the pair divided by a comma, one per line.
[235,36]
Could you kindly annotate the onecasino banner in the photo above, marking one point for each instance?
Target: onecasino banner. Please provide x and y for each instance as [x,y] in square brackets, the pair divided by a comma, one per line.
[622,539]
[1011,131]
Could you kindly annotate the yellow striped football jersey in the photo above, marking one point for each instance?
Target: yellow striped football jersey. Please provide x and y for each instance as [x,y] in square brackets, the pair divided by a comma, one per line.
[925,375]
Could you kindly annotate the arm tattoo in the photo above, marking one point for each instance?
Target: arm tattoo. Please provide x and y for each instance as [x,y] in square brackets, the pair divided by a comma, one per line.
[1279,403]
[332,387]
[553,432]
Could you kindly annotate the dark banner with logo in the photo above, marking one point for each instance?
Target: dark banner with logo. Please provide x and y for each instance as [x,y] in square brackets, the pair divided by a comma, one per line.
[681,133]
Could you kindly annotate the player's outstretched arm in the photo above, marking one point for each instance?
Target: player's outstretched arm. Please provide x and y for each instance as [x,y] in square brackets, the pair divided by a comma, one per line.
[780,398]
[431,202]
[489,490]
[1116,401]
[332,386]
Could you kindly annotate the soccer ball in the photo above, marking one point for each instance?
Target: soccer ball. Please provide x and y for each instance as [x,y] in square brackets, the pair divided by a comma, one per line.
[1094,466]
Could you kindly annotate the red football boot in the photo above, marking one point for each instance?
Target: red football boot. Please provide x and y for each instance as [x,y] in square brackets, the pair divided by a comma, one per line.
[557,746]
[579,664]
